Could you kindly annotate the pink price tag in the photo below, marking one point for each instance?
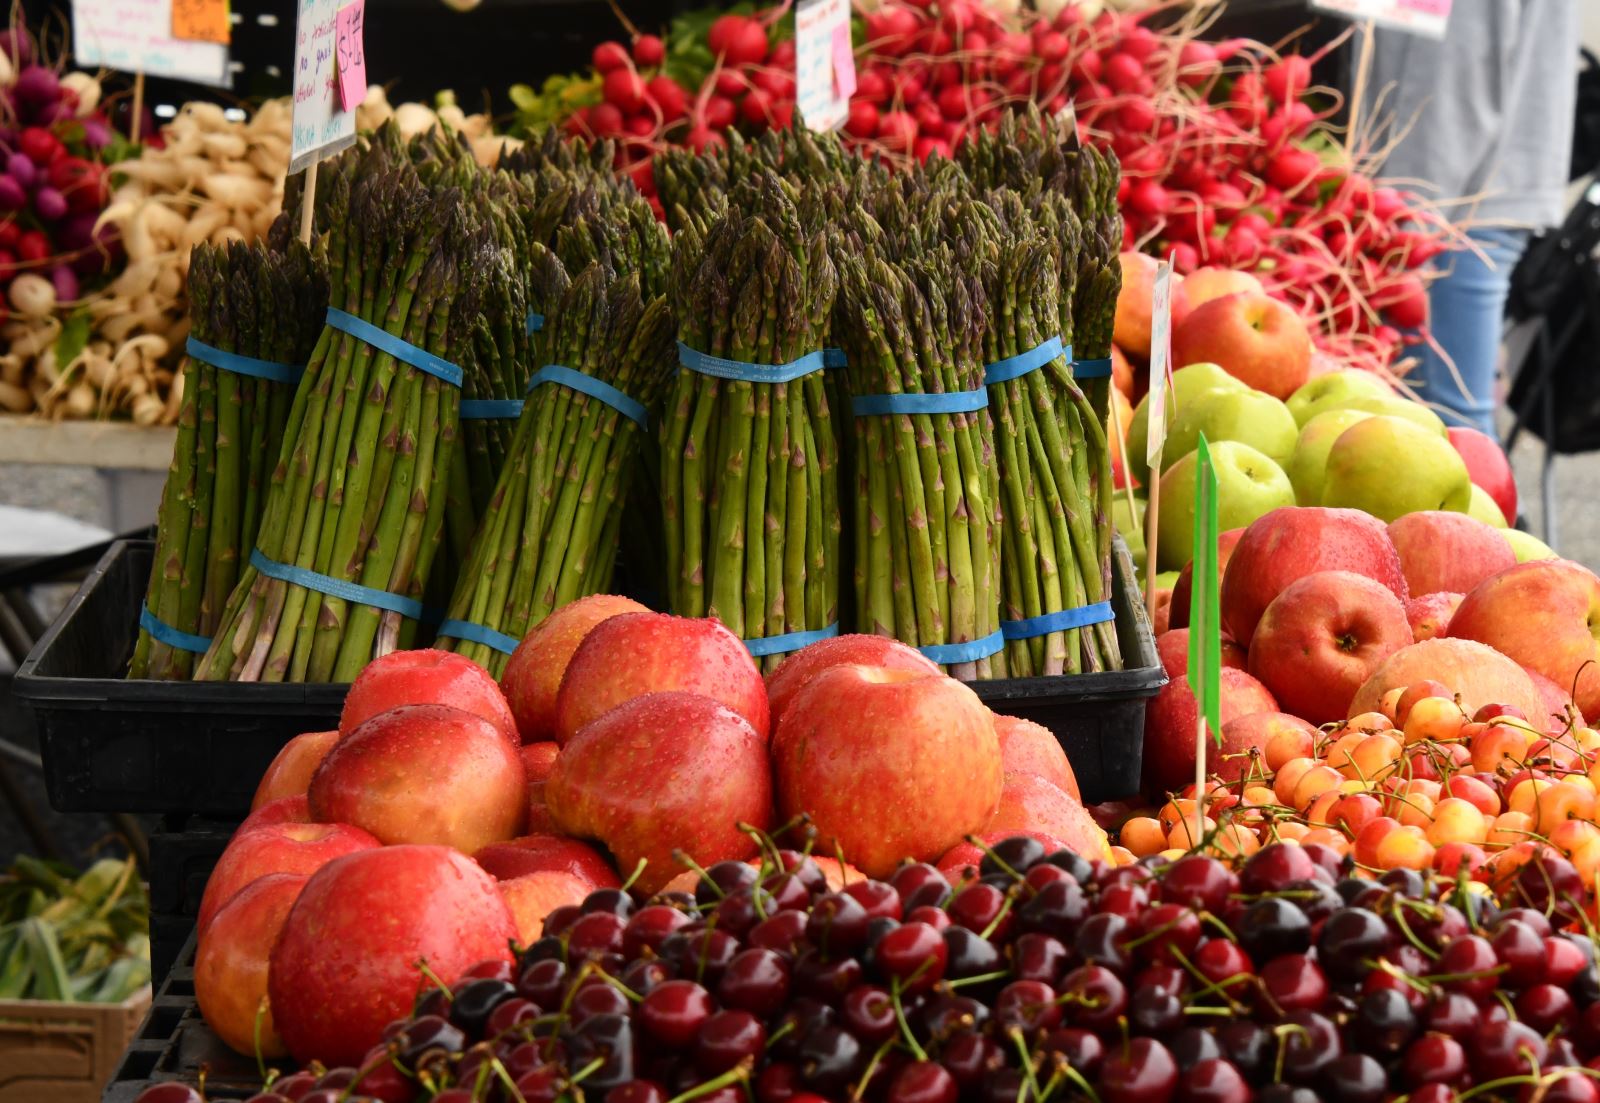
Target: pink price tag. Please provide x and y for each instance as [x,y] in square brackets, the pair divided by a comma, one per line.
[844,61]
[351,54]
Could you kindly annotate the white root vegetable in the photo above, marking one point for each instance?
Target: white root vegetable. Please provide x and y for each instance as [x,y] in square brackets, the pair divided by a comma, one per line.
[84,86]
[32,296]
[236,191]
[14,398]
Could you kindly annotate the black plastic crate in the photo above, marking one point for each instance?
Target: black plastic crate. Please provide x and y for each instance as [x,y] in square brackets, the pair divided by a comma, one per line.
[114,745]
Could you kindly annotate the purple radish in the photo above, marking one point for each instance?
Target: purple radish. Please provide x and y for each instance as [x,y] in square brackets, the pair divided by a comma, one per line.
[22,169]
[96,133]
[65,283]
[16,45]
[13,197]
[37,86]
[49,204]
[76,232]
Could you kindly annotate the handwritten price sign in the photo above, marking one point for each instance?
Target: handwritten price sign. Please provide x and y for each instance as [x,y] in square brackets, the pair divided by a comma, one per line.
[825,71]
[1420,17]
[320,127]
[201,21]
[351,55]
[141,36]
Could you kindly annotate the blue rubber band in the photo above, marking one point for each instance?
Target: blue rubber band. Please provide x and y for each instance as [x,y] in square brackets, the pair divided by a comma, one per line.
[630,408]
[535,323]
[950,402]
[162,632]
[946,653]
[834,359]
[1024,362]
[1091,369]
[397,347]
[473,632]
[337,587]
[722,368]
[490,409]
[789,641]
[1059,621]
[271,370]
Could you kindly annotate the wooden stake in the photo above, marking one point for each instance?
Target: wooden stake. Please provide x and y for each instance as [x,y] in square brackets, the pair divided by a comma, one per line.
[1152,533]
[138,108]
[308,203]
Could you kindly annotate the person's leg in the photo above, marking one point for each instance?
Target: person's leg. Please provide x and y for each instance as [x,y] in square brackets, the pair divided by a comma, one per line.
[1466,306]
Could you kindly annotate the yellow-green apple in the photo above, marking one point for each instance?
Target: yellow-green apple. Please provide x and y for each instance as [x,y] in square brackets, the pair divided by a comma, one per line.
[1171,717]
[1183,588]
[1188,384]
[1447,551]
[1291,543]
[1402,408]
[230,964]
[1321,639]
[1333,391]
[425,774]
[889,764]
[346,963]
[1030,748]
[289,772]
[300,848]
[1482,507]
[663,773]
[1128,517]
[283,810]
[1245,742]
[1029,803]
[532,676]
[535,853]
[533,896]
[633,654]
[427,677]
[1249,485]
[1309,463]
[1247,416]
[1122,374]
[1546,616]
[861,649]
[1487,464]
[1204,284]
[1429,615]
[1131,325]
[1479,675]
[1527,547]
[1258,339]
[1390,467]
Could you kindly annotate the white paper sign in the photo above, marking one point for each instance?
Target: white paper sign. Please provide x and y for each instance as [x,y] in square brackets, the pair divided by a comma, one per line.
[320,129]
[1420,17]
[1160,367]
[817,87]
[136,37]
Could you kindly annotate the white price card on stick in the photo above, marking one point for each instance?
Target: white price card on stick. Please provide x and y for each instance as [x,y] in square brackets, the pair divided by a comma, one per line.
[1427,18]
[1160,363]
[824,63]
[320,126]
[136,37]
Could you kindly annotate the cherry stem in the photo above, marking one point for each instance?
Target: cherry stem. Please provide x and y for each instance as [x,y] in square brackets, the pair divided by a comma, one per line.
[422,967]
[787,1028]
[504,1077]
[1070,1073]
[1411,937]
[872,1066]
[1005,909]
[1030,1082]
[988,852]
[638,871]
[587,1071]
[736,1075]
[683,859]
[980,978]
[900,1019]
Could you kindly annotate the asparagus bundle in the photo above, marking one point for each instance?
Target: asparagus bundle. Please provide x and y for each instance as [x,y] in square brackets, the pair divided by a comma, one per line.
[358,494]
[749,468]
[550,533]
[244,302]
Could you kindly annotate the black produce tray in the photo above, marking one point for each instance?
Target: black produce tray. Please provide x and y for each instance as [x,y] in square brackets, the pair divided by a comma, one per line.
[114,745]
[1097,718]
[180,864]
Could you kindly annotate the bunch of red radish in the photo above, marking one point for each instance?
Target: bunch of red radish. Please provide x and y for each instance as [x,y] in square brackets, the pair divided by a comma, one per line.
[1227,155]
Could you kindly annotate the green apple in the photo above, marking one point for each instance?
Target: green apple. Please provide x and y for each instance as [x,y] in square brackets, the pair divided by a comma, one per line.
[1129,523]
[1334,391]
[1248,485]
[1249,416]
[1188,384]
[1395,406]
[1310,457]
[1484,509]
[1390,467]
[1528,547]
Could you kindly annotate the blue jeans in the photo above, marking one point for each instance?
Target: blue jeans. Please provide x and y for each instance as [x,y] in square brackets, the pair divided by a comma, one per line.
[1466,305]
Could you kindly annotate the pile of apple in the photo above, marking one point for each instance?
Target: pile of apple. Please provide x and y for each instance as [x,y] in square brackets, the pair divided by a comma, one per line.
[448,816]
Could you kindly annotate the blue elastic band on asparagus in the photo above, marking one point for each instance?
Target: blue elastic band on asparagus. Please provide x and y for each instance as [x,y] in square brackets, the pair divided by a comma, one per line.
[789,641]
[1091,369]
[338,587]
[723,368]
[1024,362]
[1059,621]
[834,359]
[490,409]
[630,408]
[971,651]
[271,370]
[950,402]
[397,347]
[162,632]
[535,323]
[473,632]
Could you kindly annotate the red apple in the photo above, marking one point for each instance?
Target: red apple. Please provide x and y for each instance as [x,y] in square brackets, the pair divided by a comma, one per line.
[300,848]
[863,650]
[1029,803]
[532,676]
[230,965]
[1244,752]
[1557,704]
[1132,323]
[289,772]
[1488,467]
[1295,541]
[426,677]
[533,896]
[1254,337]
[960,862]
[538,759]
[425,774]
[662,773]
[1029,748]
[536,853]
[1321,639]
[1183,589]
[1170,719]
[632,654]
[890,764]
[1447,552]
[283,810]
[1429,615]
[1173,646]
[1479,674]
[346,964]
[1204,284]
[1546,616]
